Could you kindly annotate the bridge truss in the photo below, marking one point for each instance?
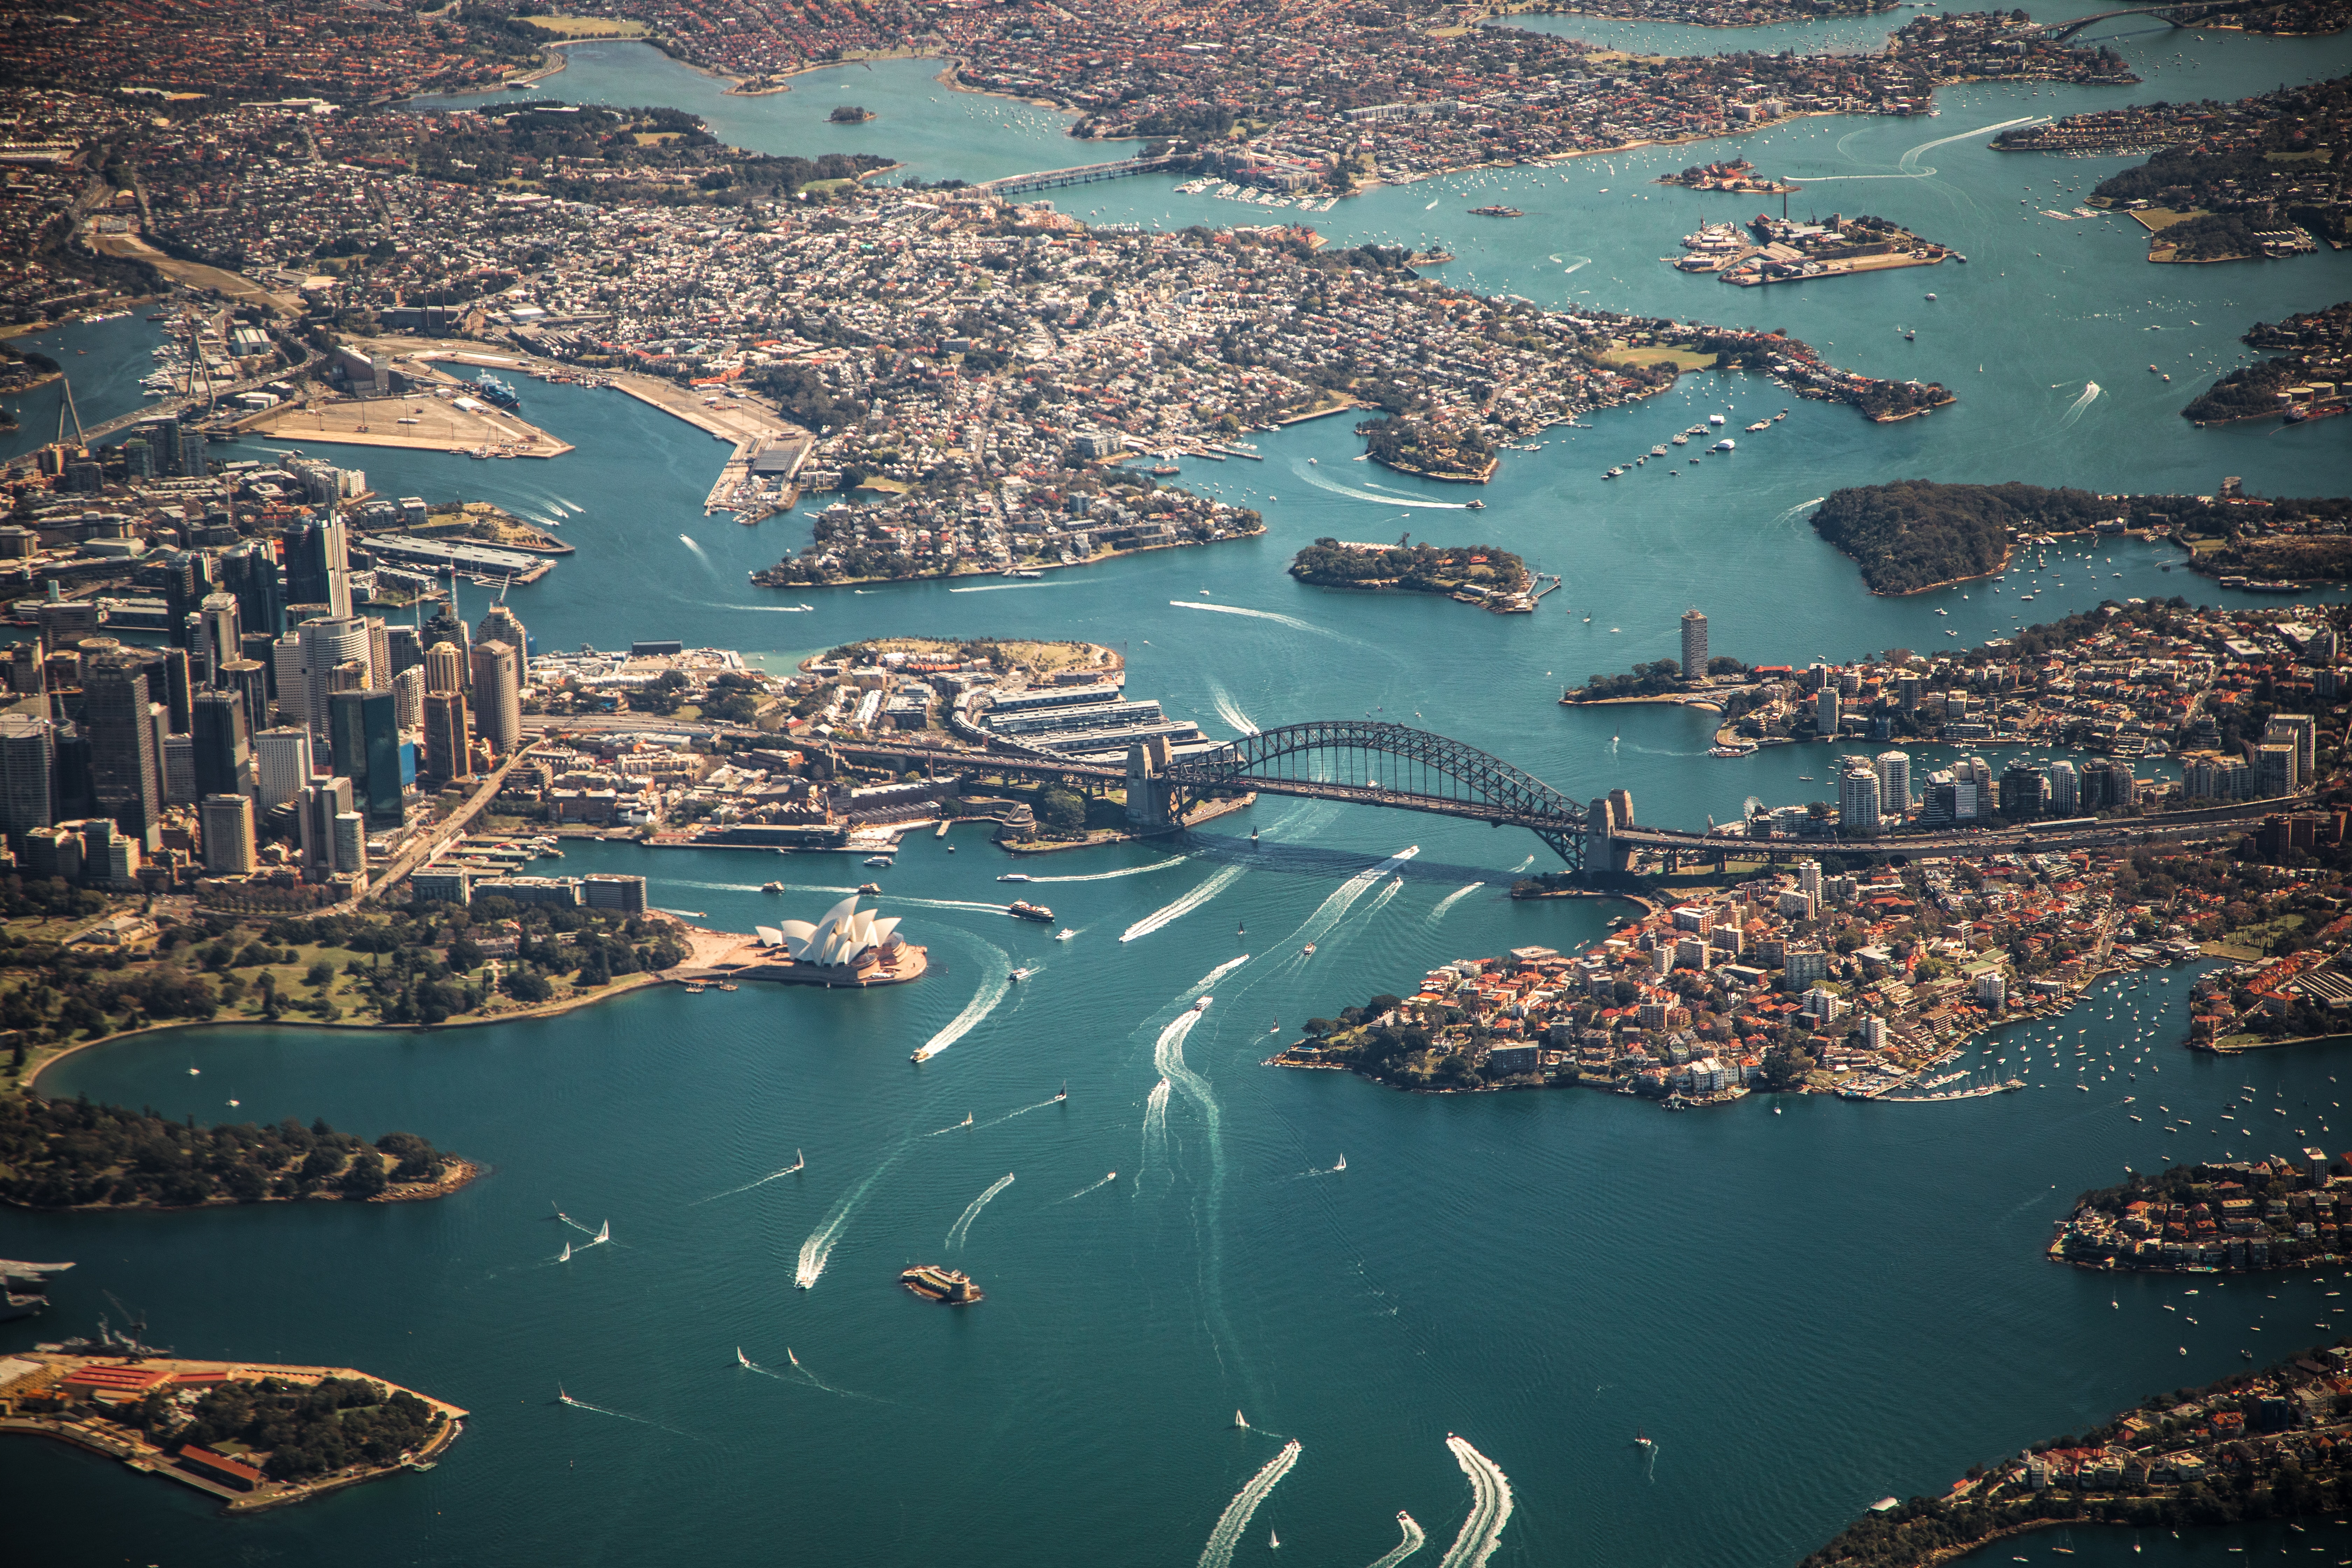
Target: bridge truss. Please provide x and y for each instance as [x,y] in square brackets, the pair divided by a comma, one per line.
[1370,763]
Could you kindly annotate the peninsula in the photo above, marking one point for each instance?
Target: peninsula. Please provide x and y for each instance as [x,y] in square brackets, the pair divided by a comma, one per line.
[72,1154]
[2308,375]
[2249,1215]
[2259,1444]
[1434,449]
[254,1436]
[1477,575]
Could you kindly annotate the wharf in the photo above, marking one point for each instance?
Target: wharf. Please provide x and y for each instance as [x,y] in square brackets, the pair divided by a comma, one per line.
[36,1400]
[414,424]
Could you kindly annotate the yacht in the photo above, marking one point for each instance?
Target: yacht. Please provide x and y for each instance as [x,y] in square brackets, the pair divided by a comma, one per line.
[881,860]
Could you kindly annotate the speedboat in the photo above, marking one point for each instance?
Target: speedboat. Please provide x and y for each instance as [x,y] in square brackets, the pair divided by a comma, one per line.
[1202,1005]
[1065,935]
[1021,973]
[1013,877]
[1307,952]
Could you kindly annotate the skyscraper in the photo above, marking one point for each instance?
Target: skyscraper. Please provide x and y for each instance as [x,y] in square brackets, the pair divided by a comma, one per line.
[444,737]
[281,766]
[318,566]
[1693,642]
[227,822]
[223,634]
[364,729]
[447,627]
[322,802]
[350,844]
[2065,789]
[2025,791]
[293,686]
[252,574]
[501,624]
[218,733]
[126,764]
[1825,713]
[445,668]
[249,679]
[408,692]
[497,697]
[1858,802]
[326,644]
[1893,783]
[28,772]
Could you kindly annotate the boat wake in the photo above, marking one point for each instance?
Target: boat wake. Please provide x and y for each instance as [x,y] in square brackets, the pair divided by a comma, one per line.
[818,1247]
[1200,987]
[1523,865]
[1450,899]
[1413,1542]
[747,1186]
[962,1226]
[1112,876]
[993,990]
[563,1398]
[1343,898]
[1155,1130]
[1490,1508]
[1000,587]
[699,551]
[1217,882]
[1092,1187]
[945,904]
[1227,1535]
[1227,710]
[1315,477]
[1789,515]
[2091,390]
[1292,622]
[1908,167]
[806,1377]
[1009,1115]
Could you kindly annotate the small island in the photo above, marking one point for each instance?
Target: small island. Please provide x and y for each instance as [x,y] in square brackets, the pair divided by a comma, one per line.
[256,1436]
[73,1155]
[849,114]
[1477,575]
[2240,1216]
[1785,251]
[1430,449]
[2260,1444]
[1738,174]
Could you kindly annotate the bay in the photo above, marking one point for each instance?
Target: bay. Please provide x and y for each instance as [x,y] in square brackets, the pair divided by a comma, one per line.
[1805,1309]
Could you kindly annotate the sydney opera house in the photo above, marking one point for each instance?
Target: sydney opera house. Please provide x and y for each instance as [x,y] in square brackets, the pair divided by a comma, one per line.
[848,946]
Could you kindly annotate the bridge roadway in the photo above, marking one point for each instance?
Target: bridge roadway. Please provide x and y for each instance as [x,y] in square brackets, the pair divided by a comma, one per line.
[2073,832]
[2178,15]
[1080,175]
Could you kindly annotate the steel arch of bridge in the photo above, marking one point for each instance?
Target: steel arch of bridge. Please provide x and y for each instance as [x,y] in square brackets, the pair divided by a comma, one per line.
[1388,765]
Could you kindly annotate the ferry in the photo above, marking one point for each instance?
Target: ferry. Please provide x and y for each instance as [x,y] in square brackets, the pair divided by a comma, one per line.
[1021,909]
[881,860]
[948,1287]
[1731,751]
[872,890]
[1015,877]
[496,392]
[1466,506]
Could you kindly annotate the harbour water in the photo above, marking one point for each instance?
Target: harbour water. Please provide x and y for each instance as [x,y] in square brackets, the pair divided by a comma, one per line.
[1806,1311]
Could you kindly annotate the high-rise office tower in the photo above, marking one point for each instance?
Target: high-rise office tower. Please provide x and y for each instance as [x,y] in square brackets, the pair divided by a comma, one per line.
[292,684]
[227,822]
[219,735]
[497,697]
[179,768]
[2025,791]
[447,627]
[176,686]
[350,844]
[249,679]
[184,586]
[1825,713]
[281,768]
[223,633]
[501,624]
[28,772]
[444,737]
[407,650]
[125,764]
[318,567]
[322,801]
[1694,644]
[365,727]
[408,694]
[251,572]
[380,670]
[326,644]
[445,668]
[1893,770]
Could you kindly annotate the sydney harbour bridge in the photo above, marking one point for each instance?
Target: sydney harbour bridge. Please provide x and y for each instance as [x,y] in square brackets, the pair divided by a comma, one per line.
[1362,761]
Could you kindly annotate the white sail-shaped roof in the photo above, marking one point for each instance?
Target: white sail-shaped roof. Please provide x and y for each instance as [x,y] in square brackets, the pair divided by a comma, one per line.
[843,935]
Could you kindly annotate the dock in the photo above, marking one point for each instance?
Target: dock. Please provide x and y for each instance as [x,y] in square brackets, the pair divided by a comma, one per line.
[426,424]
[75,1398]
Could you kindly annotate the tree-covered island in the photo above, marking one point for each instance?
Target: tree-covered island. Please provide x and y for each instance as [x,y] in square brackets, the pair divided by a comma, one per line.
[2272,1444]
[1475,574]
[74,1155]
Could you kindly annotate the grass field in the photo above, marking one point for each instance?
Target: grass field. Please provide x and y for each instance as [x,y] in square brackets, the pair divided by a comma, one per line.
[1681,359]
[587,26]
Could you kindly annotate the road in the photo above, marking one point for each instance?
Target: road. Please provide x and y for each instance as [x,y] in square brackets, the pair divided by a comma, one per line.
[418,853]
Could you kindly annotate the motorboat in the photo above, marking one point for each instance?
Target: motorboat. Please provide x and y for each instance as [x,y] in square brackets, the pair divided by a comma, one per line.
[1013,877]
[771,887]
[870,888]
[884,861]
[1022,973]
[1307,952]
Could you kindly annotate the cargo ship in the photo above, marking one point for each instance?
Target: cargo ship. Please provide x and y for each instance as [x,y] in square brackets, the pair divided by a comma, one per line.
[947,1287]
[492,390]
[1029,911]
